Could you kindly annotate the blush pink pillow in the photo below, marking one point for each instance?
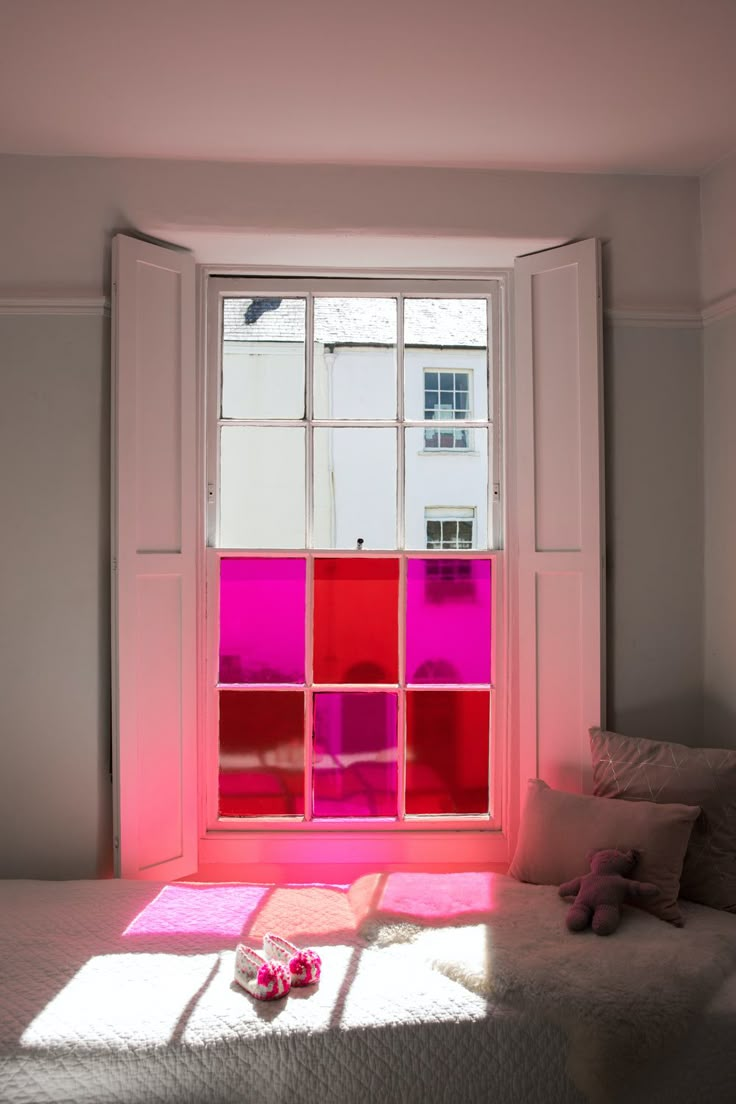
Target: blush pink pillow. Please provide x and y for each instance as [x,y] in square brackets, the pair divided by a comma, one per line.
[559,829]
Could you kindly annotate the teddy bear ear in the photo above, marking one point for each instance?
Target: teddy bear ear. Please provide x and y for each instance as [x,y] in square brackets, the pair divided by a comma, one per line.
[591,855]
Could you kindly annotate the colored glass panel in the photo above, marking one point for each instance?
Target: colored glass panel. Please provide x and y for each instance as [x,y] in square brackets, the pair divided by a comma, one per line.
[356,613]
[448,621]
[354,488]
[261,753]
[263,358]
[447,749]
[355,760]
[262,620]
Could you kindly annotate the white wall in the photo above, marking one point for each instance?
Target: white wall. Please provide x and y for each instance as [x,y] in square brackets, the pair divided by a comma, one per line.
[718,214]
[56,220]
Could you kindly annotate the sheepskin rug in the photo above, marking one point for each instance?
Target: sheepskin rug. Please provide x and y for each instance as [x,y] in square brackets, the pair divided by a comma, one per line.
[622,1000]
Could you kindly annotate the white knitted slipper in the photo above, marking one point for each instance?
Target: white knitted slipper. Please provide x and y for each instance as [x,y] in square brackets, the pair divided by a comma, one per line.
[263,979]
[304,966]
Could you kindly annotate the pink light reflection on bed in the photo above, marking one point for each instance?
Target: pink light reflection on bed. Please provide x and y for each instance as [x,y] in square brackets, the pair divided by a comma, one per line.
[205,910]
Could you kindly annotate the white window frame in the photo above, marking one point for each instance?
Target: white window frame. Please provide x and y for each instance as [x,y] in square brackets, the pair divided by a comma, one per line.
[228,839]
[444,514]
[447,424]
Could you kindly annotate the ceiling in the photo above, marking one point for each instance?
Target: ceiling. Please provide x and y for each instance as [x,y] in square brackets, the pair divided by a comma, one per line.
[644,86]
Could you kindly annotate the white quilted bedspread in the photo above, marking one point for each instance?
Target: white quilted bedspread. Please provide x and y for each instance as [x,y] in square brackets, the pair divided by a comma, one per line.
[109,994]
[116,992]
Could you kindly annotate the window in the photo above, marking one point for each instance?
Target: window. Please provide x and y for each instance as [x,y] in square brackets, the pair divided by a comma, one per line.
[446,397]
[164,576]
[351,674]
[449,528]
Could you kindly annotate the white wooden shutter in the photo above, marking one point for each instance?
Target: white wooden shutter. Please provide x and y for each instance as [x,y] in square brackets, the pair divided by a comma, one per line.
[558,480]
[154,531]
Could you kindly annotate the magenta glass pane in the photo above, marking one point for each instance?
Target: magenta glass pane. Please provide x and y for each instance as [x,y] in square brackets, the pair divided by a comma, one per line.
[448,621]
[355,755]
[447,746]
[261,753]
[262,609]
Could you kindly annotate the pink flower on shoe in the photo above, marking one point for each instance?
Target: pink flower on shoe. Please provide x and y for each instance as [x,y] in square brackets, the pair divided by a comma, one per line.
[305,966]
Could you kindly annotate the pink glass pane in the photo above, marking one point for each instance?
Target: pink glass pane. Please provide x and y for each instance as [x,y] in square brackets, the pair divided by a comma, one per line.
[447,743]
[261,753]
[262,609]
[448,621]
[355,755]
[356,618]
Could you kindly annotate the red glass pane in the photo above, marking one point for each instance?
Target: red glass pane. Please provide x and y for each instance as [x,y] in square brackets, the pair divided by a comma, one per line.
[447,741]
[356,615]
[261,753]
[355,755]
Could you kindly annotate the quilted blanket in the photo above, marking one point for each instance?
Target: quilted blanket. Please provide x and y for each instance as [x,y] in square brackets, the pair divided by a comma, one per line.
[117,992]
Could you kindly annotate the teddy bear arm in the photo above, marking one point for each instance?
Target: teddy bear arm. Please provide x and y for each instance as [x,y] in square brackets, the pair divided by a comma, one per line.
[641,890]
[569,889]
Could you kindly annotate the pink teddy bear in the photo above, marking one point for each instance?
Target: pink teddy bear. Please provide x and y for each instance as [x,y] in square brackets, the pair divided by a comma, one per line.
[600,894]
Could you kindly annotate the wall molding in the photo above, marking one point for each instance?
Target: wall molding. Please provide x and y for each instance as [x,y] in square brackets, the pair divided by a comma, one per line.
[719,308]
[74,305]
[99,306]
[659,319]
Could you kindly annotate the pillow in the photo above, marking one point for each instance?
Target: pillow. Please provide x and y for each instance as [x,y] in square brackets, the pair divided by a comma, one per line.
[559,829]
[652,770]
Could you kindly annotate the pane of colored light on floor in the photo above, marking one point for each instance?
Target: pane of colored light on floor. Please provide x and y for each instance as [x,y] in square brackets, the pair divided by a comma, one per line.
[261,753]
[447,744]
[262,611]
[356,610]
[448,621]
[355,755]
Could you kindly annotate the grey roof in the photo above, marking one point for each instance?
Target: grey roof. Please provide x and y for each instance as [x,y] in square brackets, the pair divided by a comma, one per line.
[359,321]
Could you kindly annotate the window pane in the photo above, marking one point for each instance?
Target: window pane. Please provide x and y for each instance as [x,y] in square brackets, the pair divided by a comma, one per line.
[262,618]
[262,499]
[263,357]
[435,479]
[354,488]
[448,621]
[355,755]
[354,358]
[447,748]
[356,616]
[445,352]
[261,753]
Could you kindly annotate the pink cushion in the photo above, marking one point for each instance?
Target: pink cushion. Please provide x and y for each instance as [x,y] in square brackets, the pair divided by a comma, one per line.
[654,770]
[559,829]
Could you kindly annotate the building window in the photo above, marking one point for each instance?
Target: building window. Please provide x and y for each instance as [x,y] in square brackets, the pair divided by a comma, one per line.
[447,398]
[449,528]
[350,673]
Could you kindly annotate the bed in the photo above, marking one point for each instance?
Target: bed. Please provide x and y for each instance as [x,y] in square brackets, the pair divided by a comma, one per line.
[435,988]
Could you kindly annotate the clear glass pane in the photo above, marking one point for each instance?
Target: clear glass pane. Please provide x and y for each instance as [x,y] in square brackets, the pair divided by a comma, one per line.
[451,483]
[445,359]
[262,497]
[262,619]
[261,753]
[263,358]
[448,621]
[354,488]
[447,749]
[356,620]
[355,755]
[354,358]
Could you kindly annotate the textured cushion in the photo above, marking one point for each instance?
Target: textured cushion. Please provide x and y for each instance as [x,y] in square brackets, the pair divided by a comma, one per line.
[559,829]
[653,770]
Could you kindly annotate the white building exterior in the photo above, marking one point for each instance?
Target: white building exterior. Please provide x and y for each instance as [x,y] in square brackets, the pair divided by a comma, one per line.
[267,499]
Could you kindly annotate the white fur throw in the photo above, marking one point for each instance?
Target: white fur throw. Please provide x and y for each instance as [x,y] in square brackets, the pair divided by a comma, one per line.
[621,999]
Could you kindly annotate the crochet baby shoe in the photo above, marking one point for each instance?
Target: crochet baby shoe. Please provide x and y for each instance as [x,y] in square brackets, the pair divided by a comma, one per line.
[304,966]
[264,980]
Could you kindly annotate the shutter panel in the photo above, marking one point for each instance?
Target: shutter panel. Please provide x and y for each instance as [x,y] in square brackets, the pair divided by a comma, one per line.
[558,481]
[154,531]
